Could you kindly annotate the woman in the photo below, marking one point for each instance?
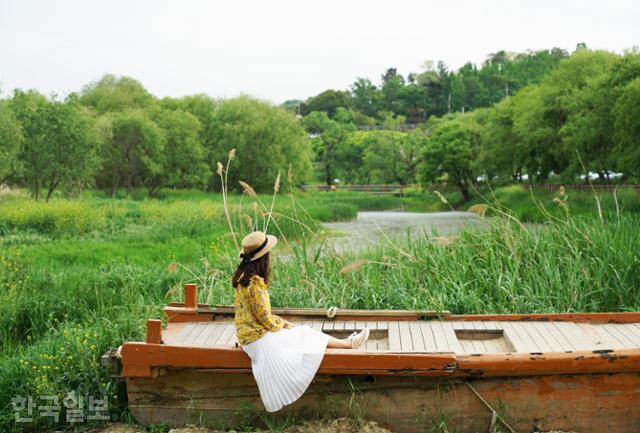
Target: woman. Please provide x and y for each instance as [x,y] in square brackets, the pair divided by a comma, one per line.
[284,357]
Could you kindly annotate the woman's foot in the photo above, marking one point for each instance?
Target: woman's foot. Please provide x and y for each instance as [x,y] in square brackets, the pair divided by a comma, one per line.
[359,338]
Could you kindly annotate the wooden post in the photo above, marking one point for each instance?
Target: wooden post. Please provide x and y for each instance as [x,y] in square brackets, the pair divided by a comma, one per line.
[154,331]
[191,296]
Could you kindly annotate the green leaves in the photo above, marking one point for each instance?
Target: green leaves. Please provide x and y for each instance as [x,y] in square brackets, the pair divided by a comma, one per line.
[60,147]
[11,141]
[450,150]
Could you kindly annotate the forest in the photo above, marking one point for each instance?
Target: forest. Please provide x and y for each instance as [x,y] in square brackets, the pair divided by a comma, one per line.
[544,116]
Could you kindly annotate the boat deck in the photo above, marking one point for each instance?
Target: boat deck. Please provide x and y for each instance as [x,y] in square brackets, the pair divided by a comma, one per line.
[439,336]
[557,371]
[401,342]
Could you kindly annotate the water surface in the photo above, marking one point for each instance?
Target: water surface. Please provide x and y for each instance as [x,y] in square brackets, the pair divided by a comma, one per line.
[370,228]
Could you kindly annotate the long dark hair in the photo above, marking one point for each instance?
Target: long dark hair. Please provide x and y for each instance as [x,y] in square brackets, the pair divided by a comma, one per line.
[245,271]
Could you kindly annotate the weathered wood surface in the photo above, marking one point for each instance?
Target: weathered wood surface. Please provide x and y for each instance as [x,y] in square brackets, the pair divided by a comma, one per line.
[583,403]
[436,336]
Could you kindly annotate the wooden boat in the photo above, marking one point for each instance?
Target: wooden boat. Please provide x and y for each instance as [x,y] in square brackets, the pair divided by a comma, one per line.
[538,372]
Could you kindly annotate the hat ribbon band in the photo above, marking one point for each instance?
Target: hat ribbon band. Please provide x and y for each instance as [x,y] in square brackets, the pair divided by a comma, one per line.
[247,257]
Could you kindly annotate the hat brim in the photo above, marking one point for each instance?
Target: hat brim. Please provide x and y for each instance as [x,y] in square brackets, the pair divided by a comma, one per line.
[271,242]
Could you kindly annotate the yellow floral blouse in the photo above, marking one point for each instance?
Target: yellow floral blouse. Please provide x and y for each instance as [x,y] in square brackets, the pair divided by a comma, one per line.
[253,316]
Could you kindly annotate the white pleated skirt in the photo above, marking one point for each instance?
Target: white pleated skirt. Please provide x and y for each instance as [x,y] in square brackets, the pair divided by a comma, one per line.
[285,362]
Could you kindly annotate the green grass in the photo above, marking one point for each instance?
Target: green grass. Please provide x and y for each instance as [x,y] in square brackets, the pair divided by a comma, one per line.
[83,275]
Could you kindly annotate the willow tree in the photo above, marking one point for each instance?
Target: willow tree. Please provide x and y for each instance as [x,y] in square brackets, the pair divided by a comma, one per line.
[60,147]
[11,141]
[267,139]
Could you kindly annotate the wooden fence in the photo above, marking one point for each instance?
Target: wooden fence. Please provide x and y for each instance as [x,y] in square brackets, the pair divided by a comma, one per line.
[370,189]
[580,187]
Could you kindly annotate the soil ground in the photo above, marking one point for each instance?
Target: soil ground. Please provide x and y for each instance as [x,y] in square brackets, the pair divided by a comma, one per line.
[340,425]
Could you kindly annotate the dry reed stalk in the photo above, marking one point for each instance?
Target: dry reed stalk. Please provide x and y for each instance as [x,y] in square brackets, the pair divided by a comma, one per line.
[247,189]
[479,209]
[224,173]
[247,220]
[445,241]
[276,188]
[443,199]
[595,193]
[353,266]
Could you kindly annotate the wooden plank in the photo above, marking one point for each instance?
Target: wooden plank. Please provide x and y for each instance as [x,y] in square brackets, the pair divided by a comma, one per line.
[492,325]
[478,345]
[226,333]
[177,339]
[450,336]
[539,336]
[317,325]
[514,338]
[576,335]
[372,325]
[328,326]
[204,335]
[349,325]
[556,331]
[383,325]
[214,336]
[608,338]
[595,339]
[634,330]
[195,333]
[626,317]
[428,337]
[620,336]
[394,337]
[553,337]
[405,337]
[529,335]
[439,337]
[531,345]
[629,334]
[231,336]
[416,337]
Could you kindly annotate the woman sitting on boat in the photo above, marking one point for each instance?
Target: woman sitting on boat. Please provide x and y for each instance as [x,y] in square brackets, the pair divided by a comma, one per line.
[284,357]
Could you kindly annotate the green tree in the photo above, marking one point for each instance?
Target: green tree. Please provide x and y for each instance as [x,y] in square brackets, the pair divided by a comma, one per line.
[627,128]
[60,146]
[365,96]
[499,152]
[449,150]
[133,150]
[578,106]
[11,141]
[328,101]
[112,93]
[185,163]
[535,126]
[330,134]
[391,156]
[267,140]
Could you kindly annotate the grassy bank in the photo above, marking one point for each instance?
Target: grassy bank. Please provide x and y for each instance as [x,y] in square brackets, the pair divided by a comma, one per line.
[79,276]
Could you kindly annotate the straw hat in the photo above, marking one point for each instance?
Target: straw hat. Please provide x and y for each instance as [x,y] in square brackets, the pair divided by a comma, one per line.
[255,245]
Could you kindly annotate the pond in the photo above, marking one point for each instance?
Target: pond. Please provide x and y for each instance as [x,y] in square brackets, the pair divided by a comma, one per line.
[370,228]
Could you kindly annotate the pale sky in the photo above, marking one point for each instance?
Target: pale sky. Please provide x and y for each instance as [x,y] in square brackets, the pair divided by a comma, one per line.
[279,50]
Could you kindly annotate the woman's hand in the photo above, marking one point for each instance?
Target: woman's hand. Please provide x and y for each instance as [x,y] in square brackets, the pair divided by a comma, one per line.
[288,325]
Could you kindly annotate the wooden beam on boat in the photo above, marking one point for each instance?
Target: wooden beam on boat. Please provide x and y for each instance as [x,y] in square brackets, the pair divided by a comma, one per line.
[180,313]
[621,317]
[531,364]
[139,359]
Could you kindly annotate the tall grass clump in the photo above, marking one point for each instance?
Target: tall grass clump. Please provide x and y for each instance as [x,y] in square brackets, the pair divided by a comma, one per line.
[58,217]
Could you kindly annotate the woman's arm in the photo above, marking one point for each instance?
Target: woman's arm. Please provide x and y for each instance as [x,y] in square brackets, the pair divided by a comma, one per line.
[259,305]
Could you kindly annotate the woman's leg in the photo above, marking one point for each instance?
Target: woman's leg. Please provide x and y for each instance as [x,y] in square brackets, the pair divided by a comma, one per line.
[336,343]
